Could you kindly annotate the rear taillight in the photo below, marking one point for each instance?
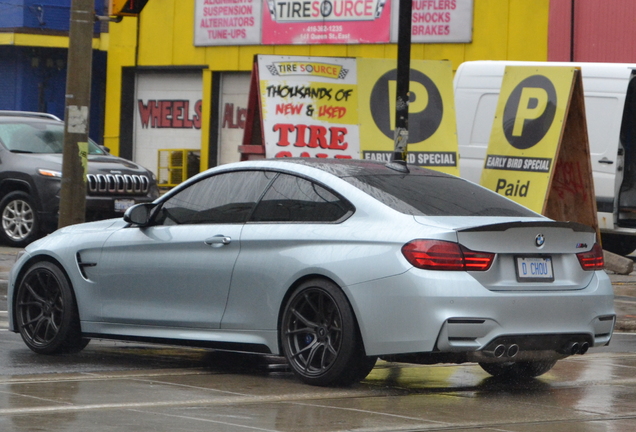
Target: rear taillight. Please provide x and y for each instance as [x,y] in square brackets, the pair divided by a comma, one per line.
[592,259]
[444,255]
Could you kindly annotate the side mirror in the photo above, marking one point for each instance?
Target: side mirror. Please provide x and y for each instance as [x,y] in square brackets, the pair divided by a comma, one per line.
[105,149]
[139,214]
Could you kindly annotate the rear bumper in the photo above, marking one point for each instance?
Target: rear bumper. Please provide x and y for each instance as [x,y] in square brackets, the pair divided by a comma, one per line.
[450,312]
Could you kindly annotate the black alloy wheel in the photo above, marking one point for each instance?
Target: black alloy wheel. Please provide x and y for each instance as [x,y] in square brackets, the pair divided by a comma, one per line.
[320,338]
[46,312]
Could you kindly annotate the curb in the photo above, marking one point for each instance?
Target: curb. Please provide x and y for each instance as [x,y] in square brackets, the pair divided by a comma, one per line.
[617,263]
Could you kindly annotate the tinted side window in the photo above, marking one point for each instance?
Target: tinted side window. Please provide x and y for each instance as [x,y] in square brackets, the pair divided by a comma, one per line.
[294,199]
[223,198]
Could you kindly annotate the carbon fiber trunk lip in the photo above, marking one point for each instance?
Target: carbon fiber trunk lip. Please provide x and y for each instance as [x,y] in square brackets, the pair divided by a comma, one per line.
[574,226]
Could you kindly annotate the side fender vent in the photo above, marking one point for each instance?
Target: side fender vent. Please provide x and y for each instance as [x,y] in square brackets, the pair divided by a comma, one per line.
[83,266]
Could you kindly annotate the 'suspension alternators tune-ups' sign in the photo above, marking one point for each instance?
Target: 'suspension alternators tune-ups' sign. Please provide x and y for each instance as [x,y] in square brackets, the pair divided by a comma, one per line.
[538,154]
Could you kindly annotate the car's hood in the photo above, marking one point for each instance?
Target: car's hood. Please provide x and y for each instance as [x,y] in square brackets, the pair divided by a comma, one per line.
[109,162]
[87,227]
[96,163]
[95,230]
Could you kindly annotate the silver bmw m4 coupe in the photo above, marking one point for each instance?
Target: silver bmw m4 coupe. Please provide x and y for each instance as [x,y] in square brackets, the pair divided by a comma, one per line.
[329,263]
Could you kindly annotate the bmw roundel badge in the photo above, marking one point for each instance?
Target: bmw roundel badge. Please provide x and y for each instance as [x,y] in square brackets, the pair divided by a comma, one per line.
[539,240]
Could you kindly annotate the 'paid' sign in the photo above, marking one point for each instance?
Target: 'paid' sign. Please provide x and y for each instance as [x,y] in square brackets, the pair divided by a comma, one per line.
[526,133]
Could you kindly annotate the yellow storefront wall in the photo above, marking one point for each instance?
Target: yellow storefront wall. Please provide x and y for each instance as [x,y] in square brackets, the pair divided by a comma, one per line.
[502,30]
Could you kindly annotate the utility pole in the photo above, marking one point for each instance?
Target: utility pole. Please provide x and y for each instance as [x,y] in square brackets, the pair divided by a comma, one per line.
[76,113]
[398,160]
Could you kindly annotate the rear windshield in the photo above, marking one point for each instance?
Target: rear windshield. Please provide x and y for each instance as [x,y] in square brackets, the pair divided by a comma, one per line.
[37,137]
[436,195]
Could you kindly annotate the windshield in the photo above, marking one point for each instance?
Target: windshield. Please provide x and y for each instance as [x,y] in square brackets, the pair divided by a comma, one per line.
[37,137]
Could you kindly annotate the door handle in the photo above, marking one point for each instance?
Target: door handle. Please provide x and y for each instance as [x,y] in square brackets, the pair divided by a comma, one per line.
[218,240]
[606,161]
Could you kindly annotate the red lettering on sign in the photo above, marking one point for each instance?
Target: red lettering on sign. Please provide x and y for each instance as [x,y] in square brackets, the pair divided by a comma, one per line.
[319,137]
[283,137]
[234,118]
[172,114]
[338,135]
[289,109]
[177,114]
[187,122]
[331,111]
[197,117]
[148,112]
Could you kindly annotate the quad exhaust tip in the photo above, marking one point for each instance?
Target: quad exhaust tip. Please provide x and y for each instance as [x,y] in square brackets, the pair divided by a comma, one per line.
[511,351]
[501,350]
[572,348]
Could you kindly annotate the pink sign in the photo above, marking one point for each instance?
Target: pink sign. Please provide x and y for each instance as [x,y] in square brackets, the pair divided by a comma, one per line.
[325,21]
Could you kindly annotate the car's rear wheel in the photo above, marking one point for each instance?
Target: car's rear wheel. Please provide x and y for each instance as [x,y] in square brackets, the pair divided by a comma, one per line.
[320,338]
[20,225]
[529,369]
[46,311]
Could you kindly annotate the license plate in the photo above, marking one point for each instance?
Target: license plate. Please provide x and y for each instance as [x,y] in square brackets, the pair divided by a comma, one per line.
[534,269]
[121,205]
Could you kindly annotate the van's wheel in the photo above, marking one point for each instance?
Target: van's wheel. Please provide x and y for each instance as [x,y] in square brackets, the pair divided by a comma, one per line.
[619,244]
[46,311]
[20,224]
[320,338]
[528,369]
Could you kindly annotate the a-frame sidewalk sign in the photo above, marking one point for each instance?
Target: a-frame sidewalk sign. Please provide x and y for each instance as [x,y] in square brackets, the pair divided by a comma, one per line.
[538,154]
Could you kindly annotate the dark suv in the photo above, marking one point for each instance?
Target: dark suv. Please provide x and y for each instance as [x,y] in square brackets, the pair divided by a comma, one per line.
[30,178]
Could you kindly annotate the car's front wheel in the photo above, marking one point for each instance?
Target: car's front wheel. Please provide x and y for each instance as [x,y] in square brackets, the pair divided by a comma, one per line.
[46,311]
[529,369]
[320,338]
[20,224]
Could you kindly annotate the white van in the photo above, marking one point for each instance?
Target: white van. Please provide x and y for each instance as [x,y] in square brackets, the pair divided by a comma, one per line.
[610,107]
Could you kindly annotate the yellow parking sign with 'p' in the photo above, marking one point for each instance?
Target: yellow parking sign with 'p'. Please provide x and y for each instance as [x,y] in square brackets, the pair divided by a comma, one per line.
[432,140]
[526,133]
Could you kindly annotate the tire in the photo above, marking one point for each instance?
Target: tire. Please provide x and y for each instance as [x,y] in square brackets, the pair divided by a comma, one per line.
[20,225]
[529,369]
[320,337]
[619,244]
[46,311]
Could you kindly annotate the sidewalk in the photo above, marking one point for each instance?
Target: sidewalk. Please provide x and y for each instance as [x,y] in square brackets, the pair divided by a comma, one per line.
[624,290]
[624,301]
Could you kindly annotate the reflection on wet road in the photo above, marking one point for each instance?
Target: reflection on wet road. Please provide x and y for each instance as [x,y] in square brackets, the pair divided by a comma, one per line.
[131,387]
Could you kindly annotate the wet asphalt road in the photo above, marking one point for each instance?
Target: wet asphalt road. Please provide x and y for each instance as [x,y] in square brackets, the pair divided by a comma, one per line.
[130,387]
[116,386]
